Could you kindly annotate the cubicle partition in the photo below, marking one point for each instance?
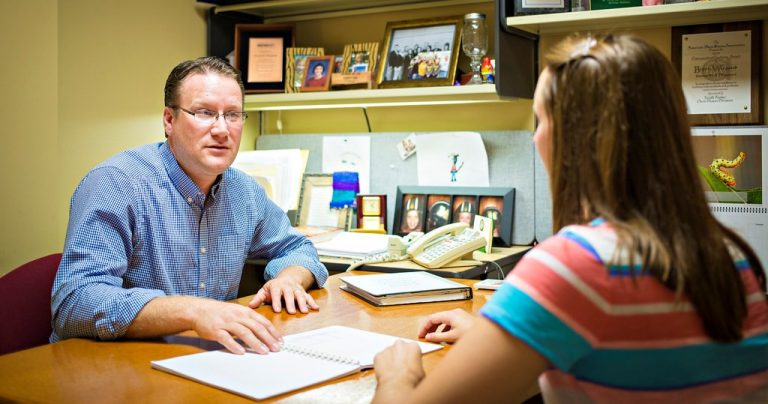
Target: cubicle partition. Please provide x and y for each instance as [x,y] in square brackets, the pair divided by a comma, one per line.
[512,162]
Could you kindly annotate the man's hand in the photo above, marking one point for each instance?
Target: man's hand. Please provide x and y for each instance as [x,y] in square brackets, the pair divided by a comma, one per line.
[222,322]
[455,323]
[211,319]
[291,286]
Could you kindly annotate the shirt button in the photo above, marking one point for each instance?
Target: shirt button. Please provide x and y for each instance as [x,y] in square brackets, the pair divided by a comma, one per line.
[202,250]
[189,199]
[202,285]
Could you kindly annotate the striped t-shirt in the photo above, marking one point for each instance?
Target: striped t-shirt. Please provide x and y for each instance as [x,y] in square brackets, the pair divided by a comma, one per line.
[611,337]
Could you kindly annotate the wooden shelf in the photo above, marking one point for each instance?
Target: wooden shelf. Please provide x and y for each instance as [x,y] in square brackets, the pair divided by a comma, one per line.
[715,11]
[395,97]
[302,10]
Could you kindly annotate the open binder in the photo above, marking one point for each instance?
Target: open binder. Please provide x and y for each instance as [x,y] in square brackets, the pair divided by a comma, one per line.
[306,359]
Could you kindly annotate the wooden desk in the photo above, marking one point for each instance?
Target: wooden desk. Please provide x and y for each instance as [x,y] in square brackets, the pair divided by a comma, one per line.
[81,370]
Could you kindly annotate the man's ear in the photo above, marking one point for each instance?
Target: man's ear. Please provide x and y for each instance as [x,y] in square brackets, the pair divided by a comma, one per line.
[168,117]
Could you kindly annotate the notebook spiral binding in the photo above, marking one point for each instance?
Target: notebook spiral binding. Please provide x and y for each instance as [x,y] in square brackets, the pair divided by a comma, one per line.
[319,355]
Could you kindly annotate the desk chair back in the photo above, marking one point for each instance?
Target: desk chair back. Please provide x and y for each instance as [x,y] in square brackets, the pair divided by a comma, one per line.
[25,304]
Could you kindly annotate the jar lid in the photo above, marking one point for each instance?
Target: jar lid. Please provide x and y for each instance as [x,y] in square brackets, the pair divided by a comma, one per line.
[474,16]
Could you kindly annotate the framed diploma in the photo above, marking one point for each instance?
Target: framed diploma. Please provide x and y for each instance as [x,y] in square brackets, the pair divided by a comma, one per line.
[720,67]
[372,212]
[260,55]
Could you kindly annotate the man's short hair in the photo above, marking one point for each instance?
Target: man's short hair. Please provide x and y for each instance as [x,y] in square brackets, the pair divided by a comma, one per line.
[203,65]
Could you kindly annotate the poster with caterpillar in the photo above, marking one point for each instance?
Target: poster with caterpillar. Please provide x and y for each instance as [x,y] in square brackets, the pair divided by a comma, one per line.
[733,168]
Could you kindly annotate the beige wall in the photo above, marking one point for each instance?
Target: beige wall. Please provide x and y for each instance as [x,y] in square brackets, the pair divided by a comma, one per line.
[85,82]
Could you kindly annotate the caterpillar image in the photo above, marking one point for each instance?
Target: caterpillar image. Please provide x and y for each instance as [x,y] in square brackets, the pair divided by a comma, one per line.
[724,177]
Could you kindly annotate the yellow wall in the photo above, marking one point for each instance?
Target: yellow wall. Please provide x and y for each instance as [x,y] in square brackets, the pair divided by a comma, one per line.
[29,159]
[84,81]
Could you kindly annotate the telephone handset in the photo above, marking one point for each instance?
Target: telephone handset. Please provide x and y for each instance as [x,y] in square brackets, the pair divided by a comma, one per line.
[432,250]
[445,244]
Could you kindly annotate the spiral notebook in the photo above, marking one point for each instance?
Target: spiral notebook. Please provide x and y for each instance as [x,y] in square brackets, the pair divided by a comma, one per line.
[306,358]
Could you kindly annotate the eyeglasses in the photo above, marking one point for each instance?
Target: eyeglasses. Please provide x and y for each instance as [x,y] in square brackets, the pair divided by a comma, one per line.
[207,117]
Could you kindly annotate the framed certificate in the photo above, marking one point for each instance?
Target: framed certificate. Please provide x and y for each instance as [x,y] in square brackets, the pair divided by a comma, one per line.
[260,55]
[720,67]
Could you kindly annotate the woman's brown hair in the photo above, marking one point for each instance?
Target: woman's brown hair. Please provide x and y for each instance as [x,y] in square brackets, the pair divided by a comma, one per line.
[621,150]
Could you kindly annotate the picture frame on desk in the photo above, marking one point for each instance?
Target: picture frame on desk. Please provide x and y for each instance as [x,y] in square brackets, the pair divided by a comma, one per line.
[295,63]
[443,205]
[314,204]
[260,55]
[371,212]
[720,66]
[420,53]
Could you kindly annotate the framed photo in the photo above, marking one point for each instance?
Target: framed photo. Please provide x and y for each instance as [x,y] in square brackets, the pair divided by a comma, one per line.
[260,55]
[360,57]
[315,204]
[438,211]
[492,208]
[409,216]
[464,209]
[317,73]
[720,67]
[295,61]
[444,205]
[420,52]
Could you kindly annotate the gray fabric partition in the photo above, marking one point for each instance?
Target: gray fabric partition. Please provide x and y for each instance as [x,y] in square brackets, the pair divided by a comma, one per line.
[511,161]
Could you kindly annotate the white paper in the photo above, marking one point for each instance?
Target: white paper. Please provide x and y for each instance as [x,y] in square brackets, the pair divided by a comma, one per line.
[402,282]
[717,72]
[353,245]
[262,376]
[281,169]
[453,159]
[320,213]
[349,153]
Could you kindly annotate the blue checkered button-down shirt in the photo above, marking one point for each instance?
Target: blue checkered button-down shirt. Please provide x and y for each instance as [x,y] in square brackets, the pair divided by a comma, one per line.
[139,228]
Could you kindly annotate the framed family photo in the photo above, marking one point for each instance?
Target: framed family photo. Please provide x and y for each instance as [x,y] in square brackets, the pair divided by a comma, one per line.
[295,62]
[425,208]
[360,57]
[317,73]
[420,52]
[260,55]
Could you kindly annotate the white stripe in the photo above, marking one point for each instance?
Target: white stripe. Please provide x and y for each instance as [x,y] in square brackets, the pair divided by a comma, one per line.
[613,309]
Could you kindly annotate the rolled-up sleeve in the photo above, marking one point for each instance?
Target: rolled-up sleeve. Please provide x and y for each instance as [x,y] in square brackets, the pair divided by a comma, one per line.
[283,246]
[88,298]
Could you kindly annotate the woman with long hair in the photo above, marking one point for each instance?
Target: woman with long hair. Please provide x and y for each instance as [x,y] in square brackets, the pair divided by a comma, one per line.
[641,295]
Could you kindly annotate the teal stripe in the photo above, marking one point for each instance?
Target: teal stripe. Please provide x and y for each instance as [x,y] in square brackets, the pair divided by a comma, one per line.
[672,368]
[523,317]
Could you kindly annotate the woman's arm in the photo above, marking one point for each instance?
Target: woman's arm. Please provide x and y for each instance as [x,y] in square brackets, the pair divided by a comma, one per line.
[486,365]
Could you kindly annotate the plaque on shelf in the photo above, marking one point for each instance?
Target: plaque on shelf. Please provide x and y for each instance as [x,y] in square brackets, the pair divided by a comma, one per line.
[529,7]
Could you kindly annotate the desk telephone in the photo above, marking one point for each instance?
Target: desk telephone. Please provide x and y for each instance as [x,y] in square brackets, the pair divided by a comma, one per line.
[432,250]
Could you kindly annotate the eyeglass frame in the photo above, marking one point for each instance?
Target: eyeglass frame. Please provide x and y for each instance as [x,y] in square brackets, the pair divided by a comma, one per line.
[215,117]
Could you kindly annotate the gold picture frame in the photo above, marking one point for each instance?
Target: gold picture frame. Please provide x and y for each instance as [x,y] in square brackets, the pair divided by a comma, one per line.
[420,53]
[313,211]
[317,73]
[360,57]
[295,58]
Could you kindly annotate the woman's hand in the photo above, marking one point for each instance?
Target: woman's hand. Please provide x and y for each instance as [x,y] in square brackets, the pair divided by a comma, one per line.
[398,371]
[446,326]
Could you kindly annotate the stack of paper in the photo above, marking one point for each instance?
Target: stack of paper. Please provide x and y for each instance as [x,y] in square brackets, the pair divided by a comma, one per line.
[353,245]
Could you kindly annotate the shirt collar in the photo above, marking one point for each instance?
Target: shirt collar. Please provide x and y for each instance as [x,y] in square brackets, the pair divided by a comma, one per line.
[180,180]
